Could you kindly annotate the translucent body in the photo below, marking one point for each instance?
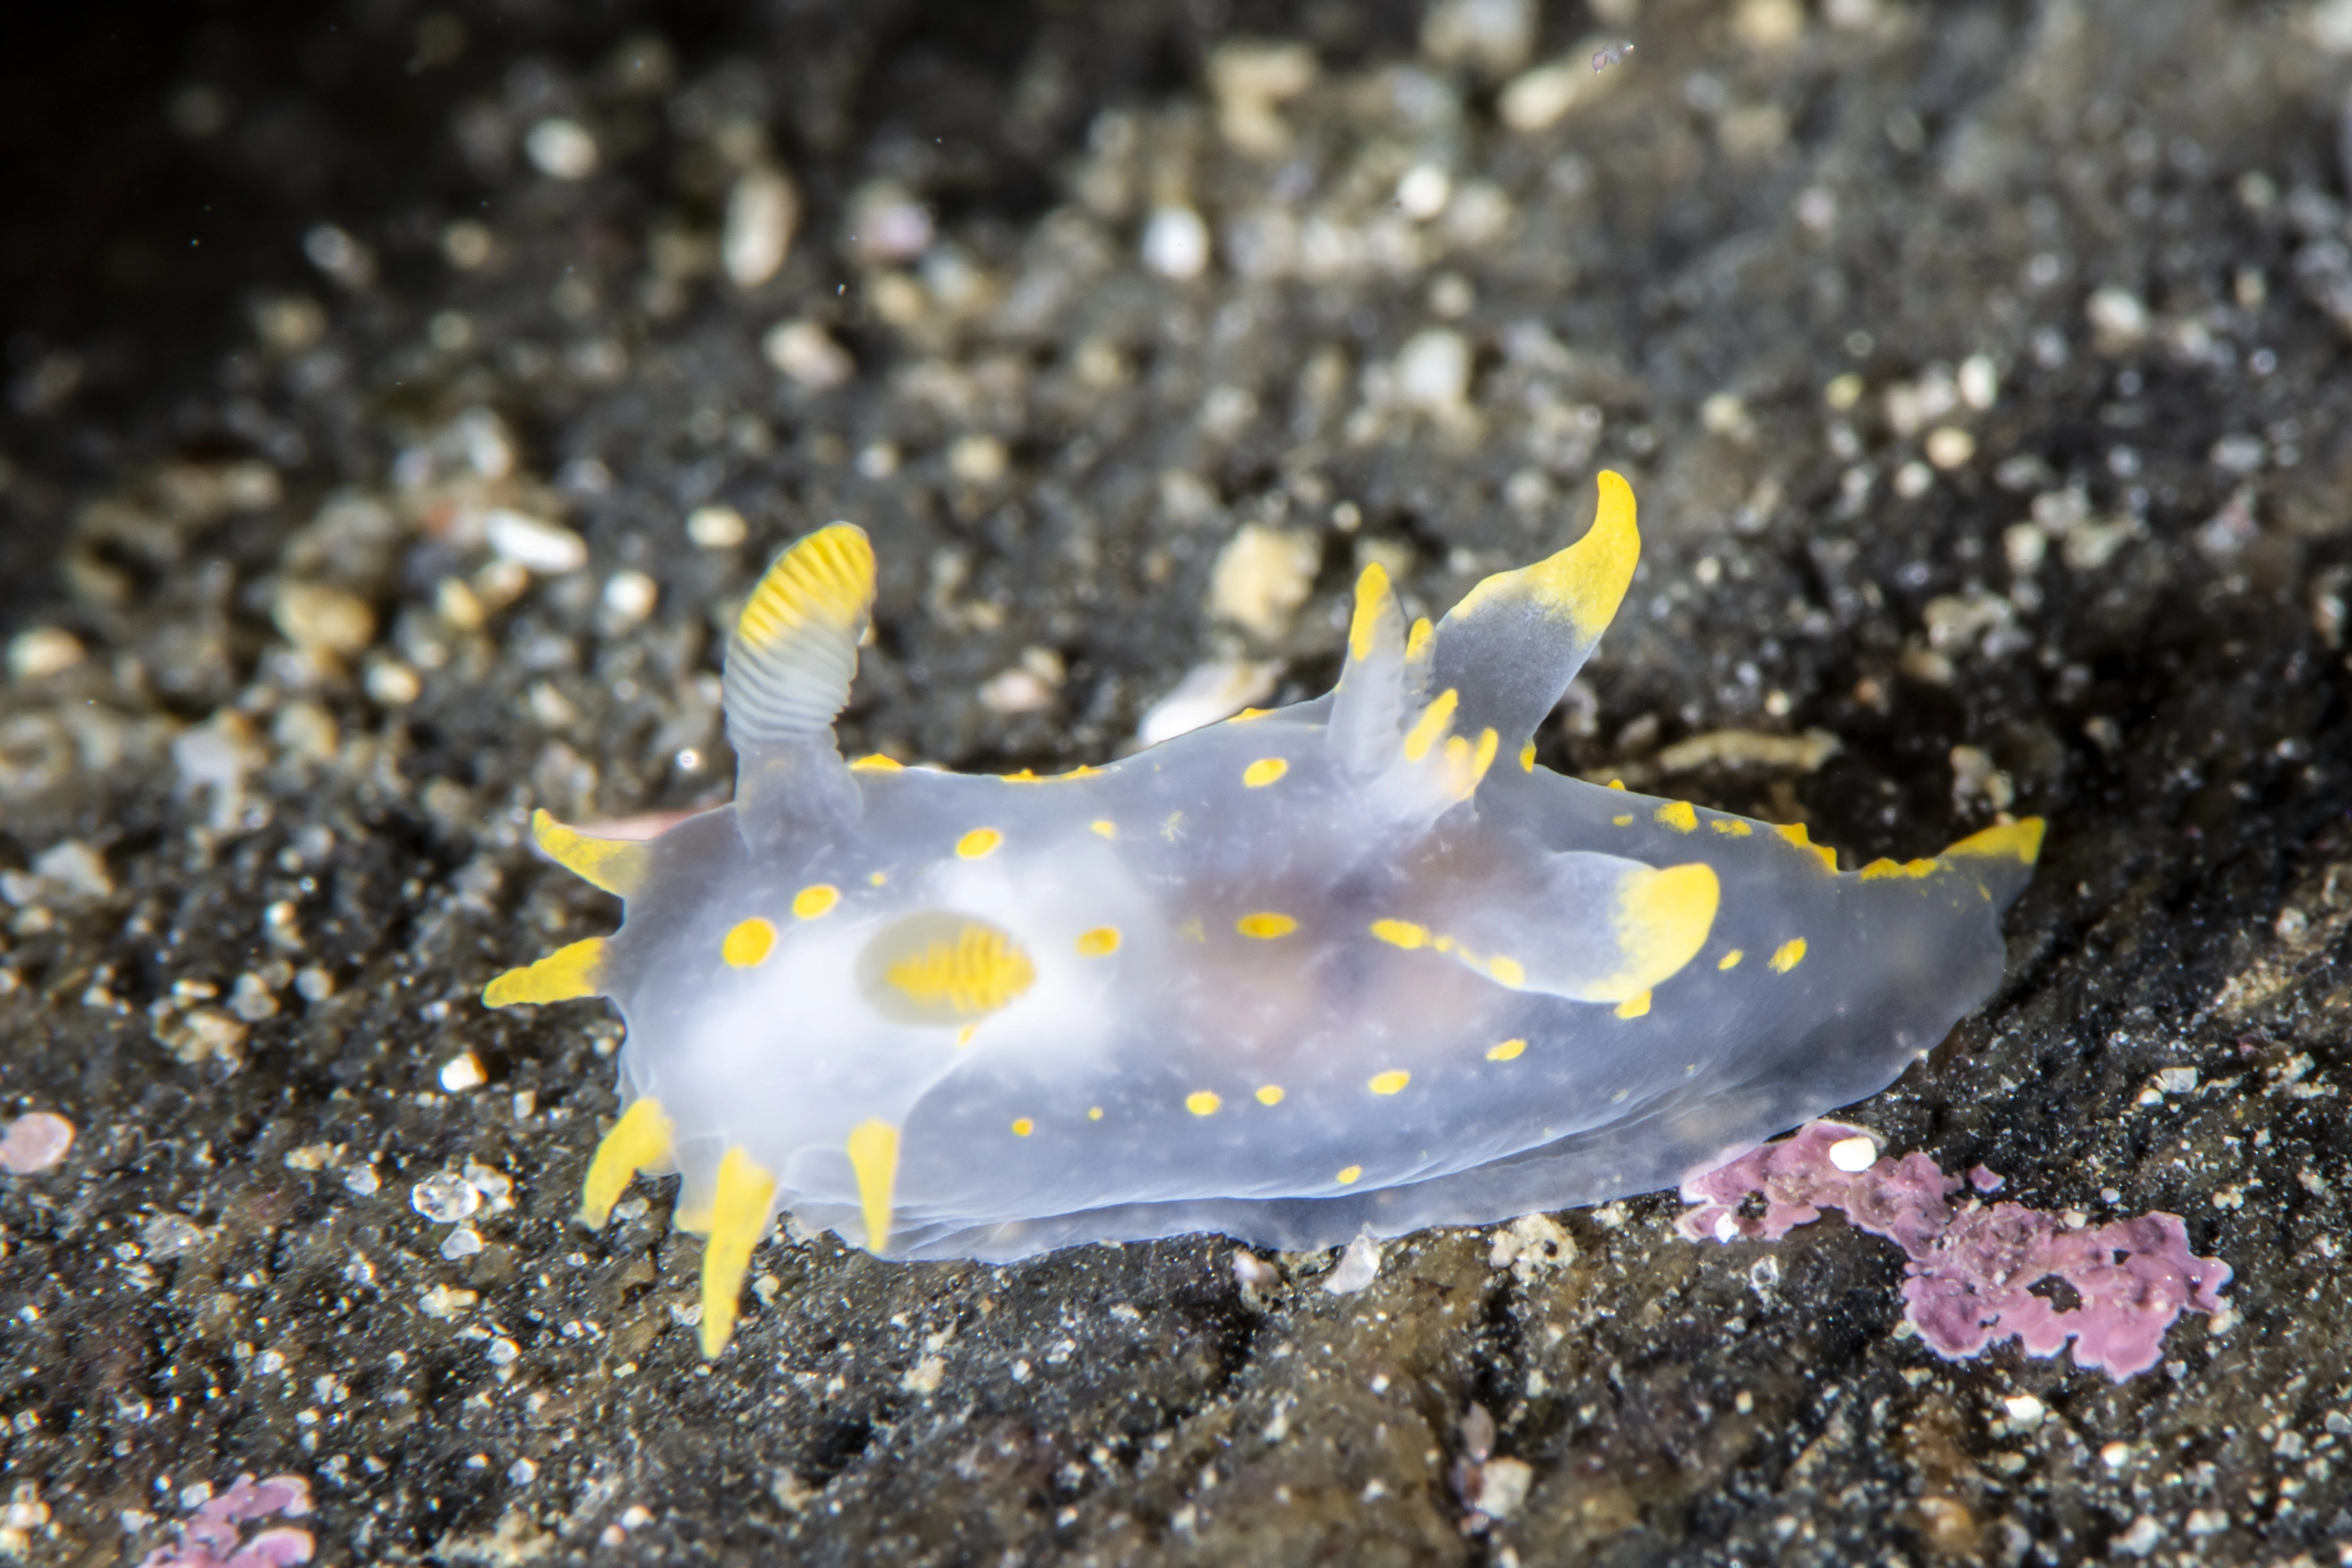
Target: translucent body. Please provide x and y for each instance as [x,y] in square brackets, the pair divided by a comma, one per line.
[1357,965]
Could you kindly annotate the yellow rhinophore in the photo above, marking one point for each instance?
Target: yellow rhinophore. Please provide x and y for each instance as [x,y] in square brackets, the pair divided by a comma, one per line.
[739,1217]
[618,866]
[2020,840]
[873,1149]
[563,975]
[1661,921]
[639,1139]
[826,580]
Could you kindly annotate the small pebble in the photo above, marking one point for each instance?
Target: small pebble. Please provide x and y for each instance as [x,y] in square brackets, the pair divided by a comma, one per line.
[1854,1156]
[393,684]
[1208,693]
[717,527]
[1261,576]
[462,1072]
[41,652]
[544,547]
[462,1242]
[806,353]
[762,212]
[1433,371]
[629,598]
[319,619]
[34,1142]
[1950,446]
[978,459]
[445,1198]
[362,1181]
[1356,1269]
[561,149]
[1176,244]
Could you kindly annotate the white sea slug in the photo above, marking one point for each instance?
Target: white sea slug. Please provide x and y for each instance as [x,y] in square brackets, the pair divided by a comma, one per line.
[1353,965]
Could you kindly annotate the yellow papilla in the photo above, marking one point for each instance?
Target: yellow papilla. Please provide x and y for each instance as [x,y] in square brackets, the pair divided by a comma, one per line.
[618,866]
[639,1139]
[1372,598]
[1585,583]
[563,975]
[739,1217]
[873,1149]
[2020,840]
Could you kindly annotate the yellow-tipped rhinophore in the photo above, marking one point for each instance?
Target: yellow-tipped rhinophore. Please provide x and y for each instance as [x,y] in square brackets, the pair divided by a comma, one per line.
[1583,584]
[872,1150]
[1663,917]
[739,1217]
[826,580]
[563,975]
[2019,841]
[618,866]
[639,1139]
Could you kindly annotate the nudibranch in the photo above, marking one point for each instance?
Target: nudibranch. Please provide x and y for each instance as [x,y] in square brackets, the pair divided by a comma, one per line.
[1357,964]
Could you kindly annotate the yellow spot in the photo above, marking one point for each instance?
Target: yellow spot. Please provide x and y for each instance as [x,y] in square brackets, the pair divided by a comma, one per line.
[1443,943]
[1348,1174]
[1106,828]
[640,1138]
[1026,776]
[1508,1051]
[1265,925]
[1416,639]
[1173,828]
[1270,1094]
[563,975]
[966,1035]
[1022,1127]
[977,970]
[739,1217]
[872,1150]
[1191,931]
[1247,714]
[1466,765]
[1097,943]
[1391,1082]
[2020,840]
[1731,960]
[1508,971]
[1371,598]
[1401,933]
[878,878]
[1634,1007]
[747,944]
[1616,783]
[1201,1102]
[1881,869]
[877,763]
[1624,820]
[1788,956]
[1679,816]
[1730,826]
[1528,758]
[1264,772]
[1661,921]
[1094,1113]
[980,841]
[815,899]
[618,866]
[1430,725]
[1083,771]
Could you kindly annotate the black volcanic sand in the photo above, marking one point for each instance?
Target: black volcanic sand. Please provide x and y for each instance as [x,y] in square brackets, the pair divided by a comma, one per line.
[1981,370]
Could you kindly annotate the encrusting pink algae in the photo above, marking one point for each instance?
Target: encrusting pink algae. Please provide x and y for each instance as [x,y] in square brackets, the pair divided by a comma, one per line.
[211,1539]
[1973,1269]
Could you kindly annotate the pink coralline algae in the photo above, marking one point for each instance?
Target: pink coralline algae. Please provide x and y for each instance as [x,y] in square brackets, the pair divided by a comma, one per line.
[211,1538]
[1971,1271]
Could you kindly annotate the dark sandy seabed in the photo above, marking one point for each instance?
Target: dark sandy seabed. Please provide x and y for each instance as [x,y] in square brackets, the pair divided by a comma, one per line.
[1982,371]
